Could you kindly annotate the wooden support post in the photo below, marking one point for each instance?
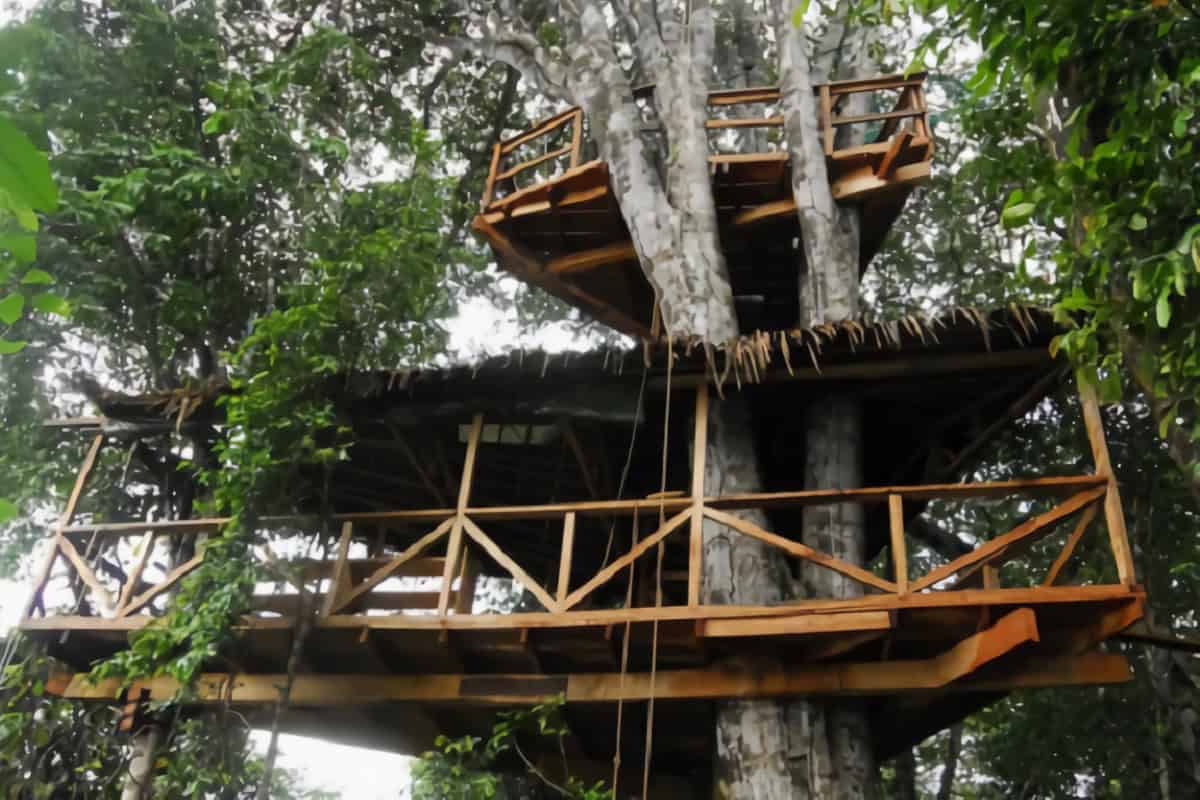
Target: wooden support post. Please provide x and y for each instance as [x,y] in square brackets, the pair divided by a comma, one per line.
[564,561]
[339,581]
[696,540]
[81,479]
[146,546]
[455,544]
[899,549]
[576,138]
[1114,516]
[489,188]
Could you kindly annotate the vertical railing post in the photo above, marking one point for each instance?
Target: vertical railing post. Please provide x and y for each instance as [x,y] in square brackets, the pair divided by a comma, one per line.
[564,560]
[489,187]
[899,548]
[468,574]
[454,548]
[696,540]
[576,138]
[1114,516]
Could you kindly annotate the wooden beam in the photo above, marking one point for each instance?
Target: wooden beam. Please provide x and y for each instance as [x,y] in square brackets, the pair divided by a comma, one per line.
[996,548]
[167,583]
[512,567]
[858,184]
[533,162]
[801,550]
[896,149]
[1051,596]
[84,571]
[541,129]
[607,574]
[833,646]
[577,138]
[585,471]
[489,188]
[696,532]
[1009,632]
[586,260]
[393,566]
[468,576]
[564,561]
[742,680]
[746,122]
[765,212]
[1114,516]
[81,478]
[899,548]
[146,548]
[339,581]
[796,626]
[454,546]
[1085,519]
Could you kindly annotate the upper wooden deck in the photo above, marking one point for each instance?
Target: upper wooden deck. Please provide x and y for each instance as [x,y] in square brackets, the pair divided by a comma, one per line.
[554,221]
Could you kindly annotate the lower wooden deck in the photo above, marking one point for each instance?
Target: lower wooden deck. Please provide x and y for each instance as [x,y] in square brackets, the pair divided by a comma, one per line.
[394,682]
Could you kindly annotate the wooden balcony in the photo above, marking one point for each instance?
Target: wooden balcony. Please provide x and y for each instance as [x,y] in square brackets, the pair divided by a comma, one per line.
[553,220]
[402,634]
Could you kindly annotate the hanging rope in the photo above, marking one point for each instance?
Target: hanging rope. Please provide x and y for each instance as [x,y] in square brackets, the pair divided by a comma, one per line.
[662,519]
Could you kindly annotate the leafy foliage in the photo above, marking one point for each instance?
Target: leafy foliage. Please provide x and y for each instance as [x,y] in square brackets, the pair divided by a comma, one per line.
[472,768]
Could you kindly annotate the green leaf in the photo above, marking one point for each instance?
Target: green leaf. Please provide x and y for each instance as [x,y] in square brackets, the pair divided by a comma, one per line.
[1196,252]
[38,277]
[1137,222]
[11,308]
[1110,387]
[1017,215]
[25,170]
[1180,125]
[50,303]
[10,346]
[22,246]
[798,14]
[8,510]
[1162,310]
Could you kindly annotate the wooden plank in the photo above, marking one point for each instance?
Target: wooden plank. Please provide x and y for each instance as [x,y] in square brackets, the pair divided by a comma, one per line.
[836,645]
[1054,486]
[746,122]
[146,547]
[489,188]
[825,112]
[1008,633]
[454,546]
[564,561]
[1114,515]
[533,162]
[899,548]
[392,567]
[897,146]
[609,572]
[585,260]
[1052,596]
[1064,555]
[800,550]
[741,680]
[468,576]
[875,84]
[732,97]
[696,532]
[771,157]
[995,548]
[878,116]
[84,571]
[765,212]
[287,604]
[858,184]
[167,583]
[339,581]
[796,626]
[512,567]
[539,130]
[577,137]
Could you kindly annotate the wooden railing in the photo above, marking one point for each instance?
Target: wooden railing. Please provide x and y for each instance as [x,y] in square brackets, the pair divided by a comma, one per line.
[352,586]
[908,117]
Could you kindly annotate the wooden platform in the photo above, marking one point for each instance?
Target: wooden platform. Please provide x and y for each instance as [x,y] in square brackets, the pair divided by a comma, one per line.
[554,221]
[391,662]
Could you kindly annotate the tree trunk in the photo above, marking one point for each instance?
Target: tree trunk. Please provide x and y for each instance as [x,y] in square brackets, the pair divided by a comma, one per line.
[141,763]
[950,767]
[752,735]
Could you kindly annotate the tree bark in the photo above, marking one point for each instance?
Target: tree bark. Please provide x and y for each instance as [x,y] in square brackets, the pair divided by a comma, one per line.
[141,763]
[950,767]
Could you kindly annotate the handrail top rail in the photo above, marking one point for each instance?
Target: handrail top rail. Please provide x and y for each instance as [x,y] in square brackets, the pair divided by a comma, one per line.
[870,494]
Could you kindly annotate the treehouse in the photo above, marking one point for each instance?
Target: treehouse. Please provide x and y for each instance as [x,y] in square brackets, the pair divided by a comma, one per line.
[554,221]
[528,526]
